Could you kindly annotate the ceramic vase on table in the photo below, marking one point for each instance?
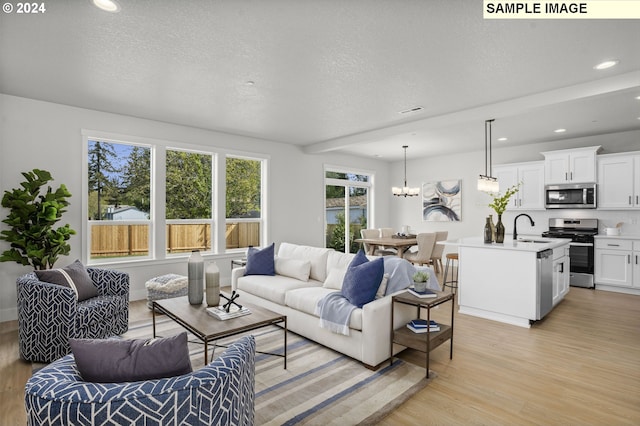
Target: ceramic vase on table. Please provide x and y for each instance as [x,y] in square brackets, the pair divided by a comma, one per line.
[195,278]
[212,279]
[499,230]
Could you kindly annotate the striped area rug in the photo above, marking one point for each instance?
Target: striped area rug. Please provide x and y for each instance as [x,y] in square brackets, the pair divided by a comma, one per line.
[319,386]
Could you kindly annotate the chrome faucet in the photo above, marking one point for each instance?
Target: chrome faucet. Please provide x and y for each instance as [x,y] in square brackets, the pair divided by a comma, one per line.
[515,228]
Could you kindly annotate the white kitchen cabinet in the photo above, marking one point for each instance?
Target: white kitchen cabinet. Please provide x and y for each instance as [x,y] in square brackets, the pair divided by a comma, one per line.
[531,193]
[619,181]
[561,268]
[636,264]
[613,262]
[570,165]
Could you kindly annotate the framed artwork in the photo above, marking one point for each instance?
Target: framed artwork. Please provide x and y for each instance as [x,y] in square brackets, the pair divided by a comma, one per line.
[442,201]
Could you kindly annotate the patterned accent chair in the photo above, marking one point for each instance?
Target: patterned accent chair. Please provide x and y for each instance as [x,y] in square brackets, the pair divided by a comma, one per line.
[49,314]
[220,393]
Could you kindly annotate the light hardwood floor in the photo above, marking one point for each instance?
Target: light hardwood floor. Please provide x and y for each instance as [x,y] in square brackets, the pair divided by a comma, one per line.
[579,366]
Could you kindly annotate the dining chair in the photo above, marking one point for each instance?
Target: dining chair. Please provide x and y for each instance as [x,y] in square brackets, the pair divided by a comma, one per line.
[438,250]
[426,242]
[387,250]
[369,233]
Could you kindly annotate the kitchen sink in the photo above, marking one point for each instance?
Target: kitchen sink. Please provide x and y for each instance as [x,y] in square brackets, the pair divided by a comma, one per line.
[534,241]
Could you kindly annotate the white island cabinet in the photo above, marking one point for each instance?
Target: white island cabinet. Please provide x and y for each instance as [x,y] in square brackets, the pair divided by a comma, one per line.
[504,282]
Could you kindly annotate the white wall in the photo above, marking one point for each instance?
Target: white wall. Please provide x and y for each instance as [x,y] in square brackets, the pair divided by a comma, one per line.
[469,165]
[35,134]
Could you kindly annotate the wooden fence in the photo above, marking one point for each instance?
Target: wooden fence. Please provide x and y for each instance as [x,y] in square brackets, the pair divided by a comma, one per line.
[133,240]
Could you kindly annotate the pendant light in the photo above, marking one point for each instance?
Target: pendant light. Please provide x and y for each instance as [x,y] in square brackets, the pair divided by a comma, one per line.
[405,191]
[487,182]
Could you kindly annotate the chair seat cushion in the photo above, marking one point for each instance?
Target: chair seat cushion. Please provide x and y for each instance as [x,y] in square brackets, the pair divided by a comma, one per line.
[101,317]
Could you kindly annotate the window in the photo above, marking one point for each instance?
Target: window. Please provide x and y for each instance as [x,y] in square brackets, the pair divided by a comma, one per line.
[189,201]
[347,210]
[145,200]
[119,185]
[243,202]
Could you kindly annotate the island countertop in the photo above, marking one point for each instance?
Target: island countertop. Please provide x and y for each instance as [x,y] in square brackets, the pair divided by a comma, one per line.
[524,243]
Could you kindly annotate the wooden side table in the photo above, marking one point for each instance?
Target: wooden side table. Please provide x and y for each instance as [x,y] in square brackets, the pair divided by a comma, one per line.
[424,342]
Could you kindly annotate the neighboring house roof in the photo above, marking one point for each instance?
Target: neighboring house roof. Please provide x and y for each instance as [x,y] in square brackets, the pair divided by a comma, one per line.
[354,201]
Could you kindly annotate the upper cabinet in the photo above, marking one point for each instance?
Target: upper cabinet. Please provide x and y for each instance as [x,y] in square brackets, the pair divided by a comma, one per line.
[531,193]
[619,181]
[570,165]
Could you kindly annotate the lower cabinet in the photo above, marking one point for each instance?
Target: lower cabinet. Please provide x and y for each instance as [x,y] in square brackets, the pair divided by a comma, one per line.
[617,262]
[561,273]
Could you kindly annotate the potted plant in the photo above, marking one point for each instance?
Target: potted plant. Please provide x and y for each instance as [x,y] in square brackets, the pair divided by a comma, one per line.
[33,212]
[420,279]
[499,205]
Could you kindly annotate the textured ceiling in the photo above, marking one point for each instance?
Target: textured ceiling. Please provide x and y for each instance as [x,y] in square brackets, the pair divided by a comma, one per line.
[330,75]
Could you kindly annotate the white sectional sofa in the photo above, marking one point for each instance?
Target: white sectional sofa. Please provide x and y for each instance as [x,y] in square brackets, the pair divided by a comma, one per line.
[304,275]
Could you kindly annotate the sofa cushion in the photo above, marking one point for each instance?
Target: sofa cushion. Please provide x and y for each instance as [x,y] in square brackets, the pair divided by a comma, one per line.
[362,279]
[272,288]
[116,360]
[294,268]
[335,278]
[260,262]
[315,255]
[74,275]
[306,299]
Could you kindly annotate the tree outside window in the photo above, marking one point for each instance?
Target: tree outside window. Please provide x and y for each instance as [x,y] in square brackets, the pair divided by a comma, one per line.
[243,202]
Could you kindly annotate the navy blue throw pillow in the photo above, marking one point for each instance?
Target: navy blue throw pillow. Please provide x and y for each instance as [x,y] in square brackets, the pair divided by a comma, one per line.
[260,262]
[362,280]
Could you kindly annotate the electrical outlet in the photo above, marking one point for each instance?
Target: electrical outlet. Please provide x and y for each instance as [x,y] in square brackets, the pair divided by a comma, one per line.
[633,221]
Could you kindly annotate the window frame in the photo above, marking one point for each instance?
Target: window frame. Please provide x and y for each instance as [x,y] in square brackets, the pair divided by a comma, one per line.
[369,185]
[263,197]
[157,217]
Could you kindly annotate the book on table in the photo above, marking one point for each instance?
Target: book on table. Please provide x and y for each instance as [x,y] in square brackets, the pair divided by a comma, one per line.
[234,311]
[422,294]
[421,326]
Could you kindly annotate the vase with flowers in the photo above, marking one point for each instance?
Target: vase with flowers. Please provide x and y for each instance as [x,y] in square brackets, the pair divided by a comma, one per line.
[499,205]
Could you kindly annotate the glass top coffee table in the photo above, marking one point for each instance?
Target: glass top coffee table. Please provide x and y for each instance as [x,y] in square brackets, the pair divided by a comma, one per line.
[207,328]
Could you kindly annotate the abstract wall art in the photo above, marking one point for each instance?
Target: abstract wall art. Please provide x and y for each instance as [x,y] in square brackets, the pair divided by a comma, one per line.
[442,201]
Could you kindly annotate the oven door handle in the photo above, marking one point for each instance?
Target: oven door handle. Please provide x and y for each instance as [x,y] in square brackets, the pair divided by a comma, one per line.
[581,244]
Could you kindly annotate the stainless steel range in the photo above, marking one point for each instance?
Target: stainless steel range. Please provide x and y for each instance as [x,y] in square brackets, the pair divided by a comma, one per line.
[581,232]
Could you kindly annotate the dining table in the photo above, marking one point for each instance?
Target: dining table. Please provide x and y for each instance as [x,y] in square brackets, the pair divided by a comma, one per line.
[402,244]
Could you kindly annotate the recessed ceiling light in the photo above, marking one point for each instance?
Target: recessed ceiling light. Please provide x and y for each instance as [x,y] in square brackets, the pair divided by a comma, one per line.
[638,98]
[502,139]
[250,83]
[606,64]
[560,130]
[107,5]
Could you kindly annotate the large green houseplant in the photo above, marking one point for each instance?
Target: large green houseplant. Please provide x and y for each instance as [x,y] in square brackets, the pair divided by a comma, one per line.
[33,212]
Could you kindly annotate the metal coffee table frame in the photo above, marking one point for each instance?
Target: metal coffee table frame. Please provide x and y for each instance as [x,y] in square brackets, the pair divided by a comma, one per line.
[196,320]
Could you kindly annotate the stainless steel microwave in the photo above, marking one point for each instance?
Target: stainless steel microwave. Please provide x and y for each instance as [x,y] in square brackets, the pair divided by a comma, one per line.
[570,196]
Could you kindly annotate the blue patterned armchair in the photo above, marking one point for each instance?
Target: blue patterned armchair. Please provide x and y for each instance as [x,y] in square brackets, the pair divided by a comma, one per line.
[220,393]
[49,314]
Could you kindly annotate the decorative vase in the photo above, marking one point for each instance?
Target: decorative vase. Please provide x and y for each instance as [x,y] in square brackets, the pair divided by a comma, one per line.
[420,285]
[499,230]
[493,229]
[195,274]
[487,231]
[212,279]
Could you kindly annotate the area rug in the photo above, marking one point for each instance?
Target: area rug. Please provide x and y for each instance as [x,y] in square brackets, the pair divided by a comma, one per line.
[319,386]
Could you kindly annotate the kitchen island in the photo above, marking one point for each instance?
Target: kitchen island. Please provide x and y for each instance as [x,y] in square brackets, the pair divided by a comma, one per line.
[517,282]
